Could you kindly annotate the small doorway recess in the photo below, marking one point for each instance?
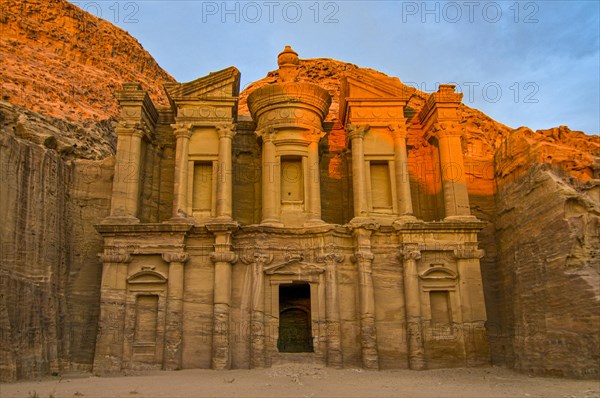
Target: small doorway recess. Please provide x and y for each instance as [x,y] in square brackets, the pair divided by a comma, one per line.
[294,318]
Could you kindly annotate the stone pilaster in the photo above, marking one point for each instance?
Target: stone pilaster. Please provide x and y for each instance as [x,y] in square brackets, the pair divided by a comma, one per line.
[412,297]
[363,257]
[126,182]
[271,195]
[472,304]
[314,182]
[257,310]
[440,119]
[404,200]
[454,182]
[332,307]
[108,357]
[174,316]
[223,257]
[224,186]
[356,135]
[180,199]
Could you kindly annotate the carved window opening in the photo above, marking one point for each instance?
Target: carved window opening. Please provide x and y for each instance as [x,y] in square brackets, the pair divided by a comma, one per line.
[441,312]
[146,320]
[381,186]
[292,179]
[203,187]
[294,318]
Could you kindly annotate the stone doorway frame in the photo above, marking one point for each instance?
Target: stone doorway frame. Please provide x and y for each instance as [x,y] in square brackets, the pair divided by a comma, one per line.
[289,273]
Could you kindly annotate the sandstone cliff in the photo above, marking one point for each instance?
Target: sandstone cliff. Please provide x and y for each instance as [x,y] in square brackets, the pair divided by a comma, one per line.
[60,68]
[538,191]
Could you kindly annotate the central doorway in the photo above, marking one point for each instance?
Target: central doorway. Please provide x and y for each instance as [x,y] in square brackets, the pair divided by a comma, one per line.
[294,318]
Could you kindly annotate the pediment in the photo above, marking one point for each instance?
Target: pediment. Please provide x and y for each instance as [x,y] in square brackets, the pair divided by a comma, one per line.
[146,276]
[218,85]
[366,86]
[361,90]
[294,267]
[438,273]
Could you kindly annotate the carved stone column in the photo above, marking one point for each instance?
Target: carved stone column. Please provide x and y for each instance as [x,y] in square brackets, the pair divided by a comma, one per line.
[126,182]
[257,311]
[356,135]
[314,181]
[363,257]
[412,298]
[180,199]
[454,183]
[108,356]
[332,309]
[174,315]
[472,304]
[224,185]
[271,195]
[223,257]
[405,207]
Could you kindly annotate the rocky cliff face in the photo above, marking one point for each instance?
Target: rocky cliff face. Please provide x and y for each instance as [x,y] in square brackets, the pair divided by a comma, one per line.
[538,191]
[60,67]
[64,62]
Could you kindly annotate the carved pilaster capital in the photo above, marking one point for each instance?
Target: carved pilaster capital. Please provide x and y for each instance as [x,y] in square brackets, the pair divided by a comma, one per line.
[445,129]
[175,257]
[398,131]
[115,257]
[356,131]
[223,257]
[330,256]
[257,257]
[266,133]
[315,135]
[362,255]
[226,130]
[182,130]
[410,255]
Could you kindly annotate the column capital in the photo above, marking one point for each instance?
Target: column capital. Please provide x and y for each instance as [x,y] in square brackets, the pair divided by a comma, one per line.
[362,255]
[410,251]
[410,255]
[445,129]
[226,130]
[258,257]
[175,257]
[315,135]
[398,130]
[135,130]
[223,257]
[266,133]
[356,131]
[330,255]
[183,130]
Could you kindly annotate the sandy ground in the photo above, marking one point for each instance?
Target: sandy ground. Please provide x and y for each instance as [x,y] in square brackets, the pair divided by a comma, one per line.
[294,380]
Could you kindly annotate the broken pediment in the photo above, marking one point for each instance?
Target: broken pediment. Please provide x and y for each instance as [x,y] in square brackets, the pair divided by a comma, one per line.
[294,267]
[365,97]
[218,85]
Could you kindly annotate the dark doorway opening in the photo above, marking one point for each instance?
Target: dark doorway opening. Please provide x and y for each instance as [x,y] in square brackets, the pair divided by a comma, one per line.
[294,318]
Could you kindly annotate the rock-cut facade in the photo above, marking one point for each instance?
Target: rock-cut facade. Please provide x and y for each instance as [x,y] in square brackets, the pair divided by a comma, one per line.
[233,242]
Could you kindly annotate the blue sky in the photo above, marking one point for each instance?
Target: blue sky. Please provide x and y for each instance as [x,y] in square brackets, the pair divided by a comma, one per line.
[525,63]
